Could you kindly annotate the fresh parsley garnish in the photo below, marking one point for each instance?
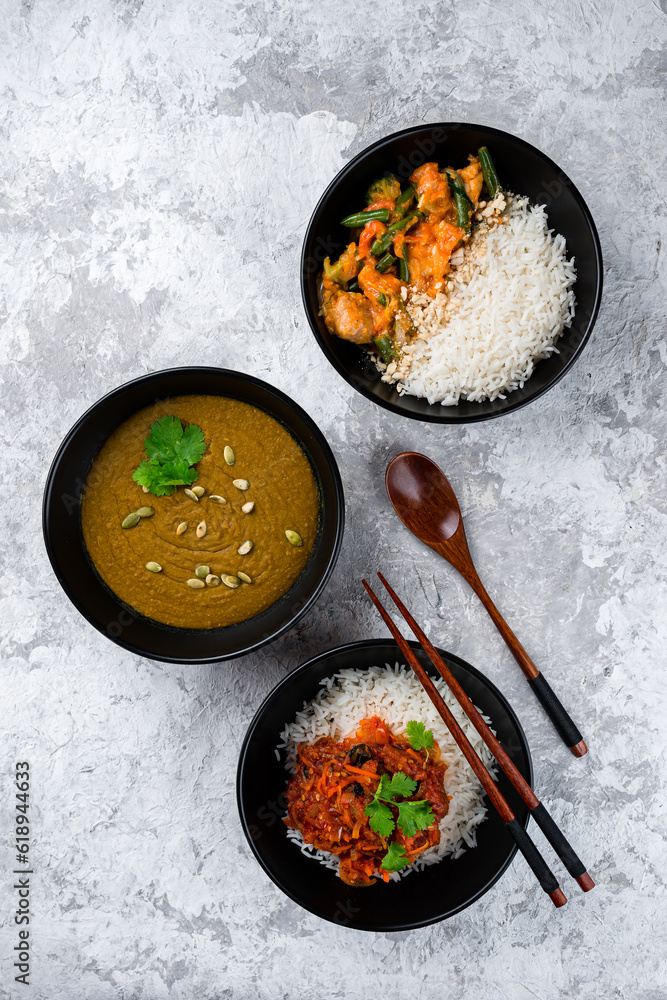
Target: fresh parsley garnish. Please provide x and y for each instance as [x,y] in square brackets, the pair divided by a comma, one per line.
[412,816]
[398,784]
[171,452]
[419,737]
[395,858]
[380,818]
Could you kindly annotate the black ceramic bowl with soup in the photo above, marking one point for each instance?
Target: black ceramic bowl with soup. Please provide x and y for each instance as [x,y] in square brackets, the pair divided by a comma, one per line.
[81,581]
[421,898]
[522,169]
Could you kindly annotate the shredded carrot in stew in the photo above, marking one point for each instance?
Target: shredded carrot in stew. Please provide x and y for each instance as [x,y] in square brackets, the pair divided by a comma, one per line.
[333,784]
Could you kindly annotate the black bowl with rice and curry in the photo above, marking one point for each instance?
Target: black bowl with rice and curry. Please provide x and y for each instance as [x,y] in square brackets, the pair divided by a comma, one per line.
[451,273]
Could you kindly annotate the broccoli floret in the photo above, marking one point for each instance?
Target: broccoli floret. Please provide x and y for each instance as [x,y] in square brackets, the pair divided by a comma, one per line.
[345,268]
[388,186]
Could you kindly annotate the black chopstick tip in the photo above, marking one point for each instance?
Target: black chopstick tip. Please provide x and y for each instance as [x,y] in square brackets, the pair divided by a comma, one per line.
[579,749]
[558,897]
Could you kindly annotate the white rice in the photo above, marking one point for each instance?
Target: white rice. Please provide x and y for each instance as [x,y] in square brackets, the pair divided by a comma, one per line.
[501,312]
[396,695]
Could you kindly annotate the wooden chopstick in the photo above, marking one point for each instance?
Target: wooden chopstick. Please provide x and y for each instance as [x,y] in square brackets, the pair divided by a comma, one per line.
[544,875]
[538,811]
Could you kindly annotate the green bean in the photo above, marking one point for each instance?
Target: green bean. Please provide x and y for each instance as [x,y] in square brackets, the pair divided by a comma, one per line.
[407,194]
[361,218]
[402,202]
[456,183]
[385,346]
[488,171]
[382,245]
[403,269]
[462,207]
[385,263]
[462,202]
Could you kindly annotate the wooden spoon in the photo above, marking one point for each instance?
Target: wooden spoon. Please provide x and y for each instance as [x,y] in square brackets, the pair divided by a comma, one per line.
[426,504]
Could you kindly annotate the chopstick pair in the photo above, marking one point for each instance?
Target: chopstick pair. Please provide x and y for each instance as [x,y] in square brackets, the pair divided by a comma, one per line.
[551,831]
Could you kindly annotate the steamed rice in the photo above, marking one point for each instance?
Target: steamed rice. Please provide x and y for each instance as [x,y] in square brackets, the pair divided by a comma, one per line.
[396,695]
[503,309]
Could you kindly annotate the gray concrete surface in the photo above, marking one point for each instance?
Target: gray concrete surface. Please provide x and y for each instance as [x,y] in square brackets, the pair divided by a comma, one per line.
[159,163]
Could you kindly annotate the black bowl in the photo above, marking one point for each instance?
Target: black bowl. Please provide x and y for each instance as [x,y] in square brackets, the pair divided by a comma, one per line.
[522,169]
[423,897]
[61,520]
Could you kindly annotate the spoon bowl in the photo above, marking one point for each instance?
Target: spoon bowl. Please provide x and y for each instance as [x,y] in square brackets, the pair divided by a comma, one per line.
[423,499]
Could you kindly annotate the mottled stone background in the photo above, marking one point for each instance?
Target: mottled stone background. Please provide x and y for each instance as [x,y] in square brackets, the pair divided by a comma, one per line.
[158,165]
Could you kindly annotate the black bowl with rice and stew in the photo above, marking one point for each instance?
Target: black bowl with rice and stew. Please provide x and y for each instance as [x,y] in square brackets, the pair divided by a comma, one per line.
[451,273]
[356,801]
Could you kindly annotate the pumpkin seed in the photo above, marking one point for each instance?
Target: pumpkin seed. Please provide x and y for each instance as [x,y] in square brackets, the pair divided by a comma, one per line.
[153,567]
[294,538]
[212,580]
[130,521]
[146,511]
[244,549]
[230,581]
[247,507]
[183,526]
[202,572]
[198,491]
[192,495]
[230,457]
[201,529]
[241,484]
[196,584]
[215,498]
[244,577]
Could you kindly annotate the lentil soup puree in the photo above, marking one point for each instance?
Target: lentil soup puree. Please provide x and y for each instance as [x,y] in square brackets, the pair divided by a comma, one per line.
[280,484]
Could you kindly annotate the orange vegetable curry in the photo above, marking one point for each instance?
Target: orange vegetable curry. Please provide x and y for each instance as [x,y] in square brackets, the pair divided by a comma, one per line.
[403,241]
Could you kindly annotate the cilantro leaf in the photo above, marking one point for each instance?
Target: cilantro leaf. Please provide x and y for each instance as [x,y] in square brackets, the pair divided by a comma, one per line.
[163,437]
[400,784]
[413,816]
[395,858]
[192,446]
[380,818]
[419,737]
[171,452]
[150,474]
[163,478]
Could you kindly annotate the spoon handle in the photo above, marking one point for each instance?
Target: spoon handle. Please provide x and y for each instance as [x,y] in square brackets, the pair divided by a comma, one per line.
[550,702]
